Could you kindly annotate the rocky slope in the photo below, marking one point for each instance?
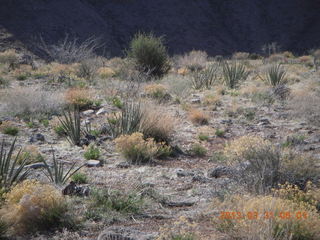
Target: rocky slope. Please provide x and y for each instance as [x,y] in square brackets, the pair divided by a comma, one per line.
[216,26]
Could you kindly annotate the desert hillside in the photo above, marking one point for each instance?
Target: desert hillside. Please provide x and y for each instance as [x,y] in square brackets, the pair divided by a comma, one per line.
[215,26]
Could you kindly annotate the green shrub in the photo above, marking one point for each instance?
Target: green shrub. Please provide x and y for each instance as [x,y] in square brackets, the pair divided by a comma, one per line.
[57,173]
[198,150]
[203,137]
[80,178]
[204,78]
[22,77]
[59,130]
[220,133]
[71,125]
[4,82]
[106,202]
[11,130]
[234,73]
[10,172]
[92,153]
[127,122]
[275,75]
[149,54]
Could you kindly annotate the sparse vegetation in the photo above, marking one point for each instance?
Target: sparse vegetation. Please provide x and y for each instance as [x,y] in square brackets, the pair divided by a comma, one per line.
[71,125]
[92,153]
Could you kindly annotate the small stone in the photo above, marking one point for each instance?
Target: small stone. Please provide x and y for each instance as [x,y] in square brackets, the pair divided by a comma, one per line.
[88,112]
[94,163]
[219,171]
[195,100]
[101,111]
[226,121]
[37,137]
[123,165]
[263,122]
[183,173]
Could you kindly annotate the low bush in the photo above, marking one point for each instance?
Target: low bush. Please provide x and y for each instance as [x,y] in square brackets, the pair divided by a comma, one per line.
[194,60]
[149,54]
[9,129]
[240,56]
[157,91]
[31,206]
[79,178]
[136,149]
[267,217]
[157,124]
[92,152]
[106,203]
[79,97]
[10,58]
[198,150]
[198,117]
[30,154]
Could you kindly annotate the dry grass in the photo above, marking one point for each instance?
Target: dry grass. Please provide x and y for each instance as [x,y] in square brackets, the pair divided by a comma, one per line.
[31,102]
[265,217]
[198,117]
[195,60]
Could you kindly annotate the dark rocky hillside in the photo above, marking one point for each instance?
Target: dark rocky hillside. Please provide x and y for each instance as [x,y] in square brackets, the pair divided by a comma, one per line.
[216,26]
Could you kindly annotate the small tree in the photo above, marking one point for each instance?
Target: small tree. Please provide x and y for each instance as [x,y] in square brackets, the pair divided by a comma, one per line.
[149,54]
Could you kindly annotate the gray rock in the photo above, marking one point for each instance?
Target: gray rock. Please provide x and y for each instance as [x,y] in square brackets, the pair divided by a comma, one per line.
[101,111]
[220,171]
[94,163]
[124,233]
[195,100]
[123,165]
[226,121]
[38,137]
[88,112]
[263,122]
[183,173]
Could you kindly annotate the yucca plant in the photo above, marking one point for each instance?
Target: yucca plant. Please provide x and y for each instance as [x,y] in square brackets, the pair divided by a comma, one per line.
[204,78]
[234,73]
[275,75]
[70,123]
[57,173]
[127,122]
[10,171]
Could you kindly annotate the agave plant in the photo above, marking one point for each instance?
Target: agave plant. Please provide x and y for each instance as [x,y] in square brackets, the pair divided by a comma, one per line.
[57,173]
[127,122]
[10,172]
[204,79]
[70,123]
[275,75]
[233,73]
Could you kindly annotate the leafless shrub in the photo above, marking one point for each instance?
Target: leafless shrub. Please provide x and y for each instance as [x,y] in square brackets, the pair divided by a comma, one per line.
[179,86]
[316,58]
[195,60]
[70,50]
[88,68]
[240,55]
[270,48]
[31,102]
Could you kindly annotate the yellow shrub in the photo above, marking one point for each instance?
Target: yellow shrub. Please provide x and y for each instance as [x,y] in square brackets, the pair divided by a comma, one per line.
[9,57]
[32,206]
[267,217]
[183,71]
[106,72]
[311,194]
[198,117]
[236,148]
[135,149]
[155,90]
[81,97]
[213,100]
[31,154]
